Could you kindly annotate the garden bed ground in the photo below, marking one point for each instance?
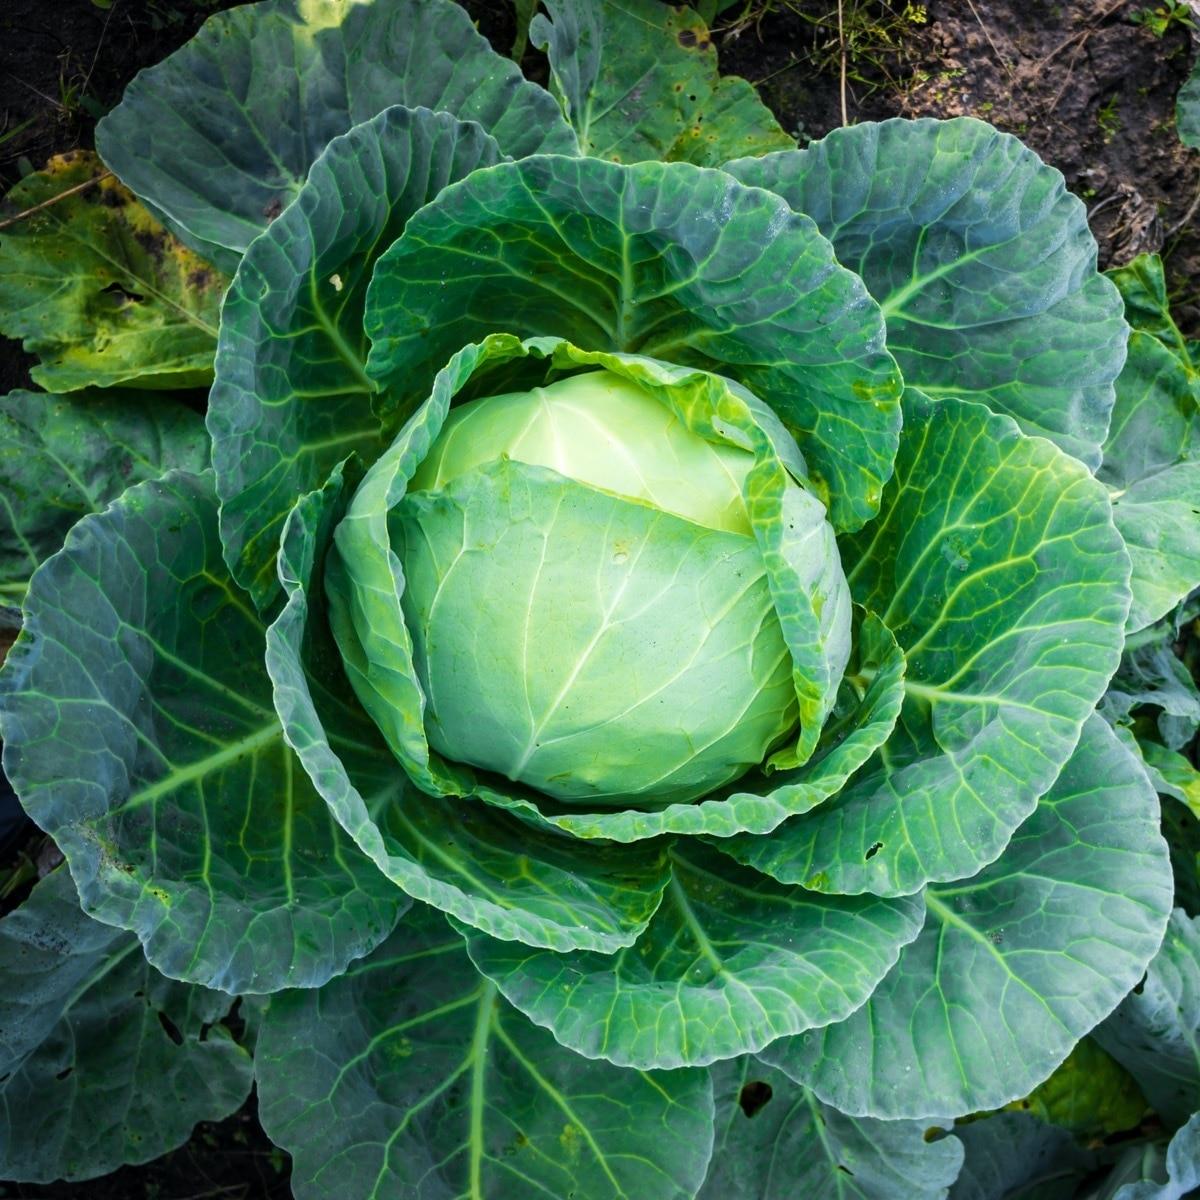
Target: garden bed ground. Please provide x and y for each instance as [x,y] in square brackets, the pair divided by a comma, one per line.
[1089,84]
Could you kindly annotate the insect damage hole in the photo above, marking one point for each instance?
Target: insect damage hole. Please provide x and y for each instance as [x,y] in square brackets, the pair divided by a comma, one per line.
[754,1096]
[170,1028]
[874,850]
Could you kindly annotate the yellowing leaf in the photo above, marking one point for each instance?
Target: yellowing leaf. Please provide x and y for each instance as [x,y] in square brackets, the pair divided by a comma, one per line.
[98,289]
[1091,1094]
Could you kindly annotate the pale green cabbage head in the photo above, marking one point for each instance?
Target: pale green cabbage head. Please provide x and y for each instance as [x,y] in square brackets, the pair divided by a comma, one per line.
[605,630]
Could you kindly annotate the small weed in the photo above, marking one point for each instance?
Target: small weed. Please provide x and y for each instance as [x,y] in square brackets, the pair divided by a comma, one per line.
[1166,16]
[1109,119]
[7,135]
[873,34]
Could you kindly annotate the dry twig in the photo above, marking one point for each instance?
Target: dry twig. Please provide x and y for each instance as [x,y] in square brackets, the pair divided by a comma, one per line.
[842,48]
[71,191]
[995,49]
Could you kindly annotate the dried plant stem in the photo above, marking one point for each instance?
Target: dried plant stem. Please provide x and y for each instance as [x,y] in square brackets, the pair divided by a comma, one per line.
[842,48]
[71,191]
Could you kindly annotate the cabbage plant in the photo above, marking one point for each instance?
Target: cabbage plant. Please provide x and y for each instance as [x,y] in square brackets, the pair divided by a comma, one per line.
[634,653]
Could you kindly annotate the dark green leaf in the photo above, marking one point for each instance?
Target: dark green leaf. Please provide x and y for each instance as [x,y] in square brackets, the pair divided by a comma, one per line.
[1152,674]
[291,396]
[1173,1176]
[1155,1033]
[1152,467]
[410,1077]
[1181,1169]
[981,259]
[639,80]
[219,137]
[777,1141]
[730,962]
[523,15]
[1011,1155]
[1143,287]
[995,563]
[103,1060]
[62,457]
[1014,966]
[139,732]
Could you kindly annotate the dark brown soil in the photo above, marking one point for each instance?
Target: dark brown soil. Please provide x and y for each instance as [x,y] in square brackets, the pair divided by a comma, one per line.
[1081,81]
[1086,83]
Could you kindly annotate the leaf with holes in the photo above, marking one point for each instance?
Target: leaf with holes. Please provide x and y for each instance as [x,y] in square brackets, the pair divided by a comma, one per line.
[996,564]
[638,80]
[1014,966]
[103,1061]
[776,1140]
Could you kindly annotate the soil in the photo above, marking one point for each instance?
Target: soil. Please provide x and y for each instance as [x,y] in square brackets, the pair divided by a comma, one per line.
[1087,83]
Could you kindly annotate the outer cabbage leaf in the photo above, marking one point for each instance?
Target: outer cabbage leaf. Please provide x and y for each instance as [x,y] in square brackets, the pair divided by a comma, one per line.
[1155,1032]
[1152,467]
[409,1076]
[1014,966]
[103,1060]
[139,732]
[1143,287]
[464,857]
[981,259]
[292,397]
[730,962]
[777,1141]
[62,457]
[630,258]
[1181,1168]
[1013,1154]
[1152,674]
[638,80]
[996,564]
[99,290]
[218,138]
